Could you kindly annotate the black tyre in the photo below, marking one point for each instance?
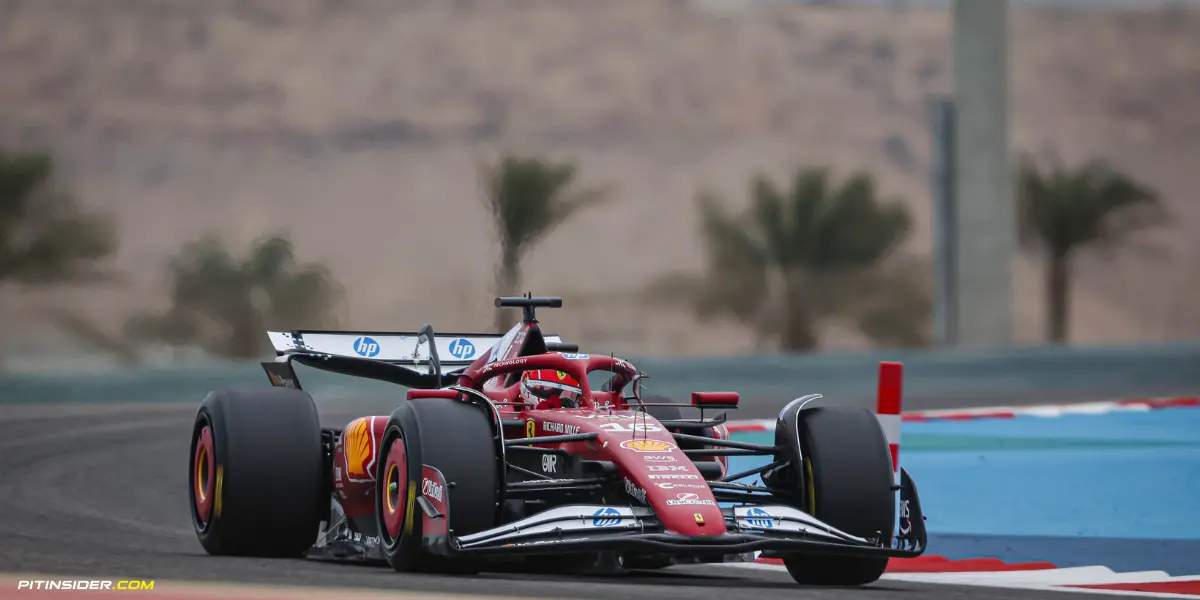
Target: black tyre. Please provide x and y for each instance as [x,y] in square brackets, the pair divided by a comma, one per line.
[848,476]
[255,473]
[456,438]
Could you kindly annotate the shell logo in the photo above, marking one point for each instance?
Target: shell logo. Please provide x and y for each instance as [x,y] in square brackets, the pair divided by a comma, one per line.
[359,455]
[648,445]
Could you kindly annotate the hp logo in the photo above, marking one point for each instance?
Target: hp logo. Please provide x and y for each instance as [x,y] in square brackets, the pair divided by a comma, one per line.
[606,517]
[757,517]
[365,346]
[462,349]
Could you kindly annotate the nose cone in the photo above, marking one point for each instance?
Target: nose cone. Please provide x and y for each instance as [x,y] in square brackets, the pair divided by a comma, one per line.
[659,474]
[691,513]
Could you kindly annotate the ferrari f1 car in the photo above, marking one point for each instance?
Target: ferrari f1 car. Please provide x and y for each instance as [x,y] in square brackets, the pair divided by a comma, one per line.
[465,477]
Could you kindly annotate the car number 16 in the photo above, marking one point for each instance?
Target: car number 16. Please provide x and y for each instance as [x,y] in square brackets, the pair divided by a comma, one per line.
[622,427]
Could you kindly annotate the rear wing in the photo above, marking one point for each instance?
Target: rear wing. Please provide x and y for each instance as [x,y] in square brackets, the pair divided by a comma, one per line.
[398,348]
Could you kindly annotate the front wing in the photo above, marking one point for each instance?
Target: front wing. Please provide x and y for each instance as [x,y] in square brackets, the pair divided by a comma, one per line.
[588,528]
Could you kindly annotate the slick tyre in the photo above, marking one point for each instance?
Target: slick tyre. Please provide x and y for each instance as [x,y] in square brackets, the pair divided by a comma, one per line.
[255,475]
[848,480]
[457,439]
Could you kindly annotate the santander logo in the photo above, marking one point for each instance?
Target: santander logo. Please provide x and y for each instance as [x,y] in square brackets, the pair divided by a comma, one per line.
[689,499]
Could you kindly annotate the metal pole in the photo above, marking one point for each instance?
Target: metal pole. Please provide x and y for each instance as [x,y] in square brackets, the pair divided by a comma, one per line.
[945,241]
[985,210]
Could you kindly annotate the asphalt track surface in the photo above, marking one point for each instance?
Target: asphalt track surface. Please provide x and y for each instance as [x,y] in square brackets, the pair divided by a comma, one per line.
[100,490]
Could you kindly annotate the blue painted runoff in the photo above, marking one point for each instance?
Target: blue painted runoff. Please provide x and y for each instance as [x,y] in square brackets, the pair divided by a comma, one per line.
[1120,489]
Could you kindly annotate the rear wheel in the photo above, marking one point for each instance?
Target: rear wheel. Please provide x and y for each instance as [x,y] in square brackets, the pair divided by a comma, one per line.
[848,484]
[255,473]
[457,439]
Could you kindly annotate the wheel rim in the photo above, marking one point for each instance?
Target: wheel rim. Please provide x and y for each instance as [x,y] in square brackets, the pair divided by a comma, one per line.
[396,504]
[203,466]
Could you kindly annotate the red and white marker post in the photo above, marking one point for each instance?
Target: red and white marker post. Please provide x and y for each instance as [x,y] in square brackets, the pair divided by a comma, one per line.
[887,408]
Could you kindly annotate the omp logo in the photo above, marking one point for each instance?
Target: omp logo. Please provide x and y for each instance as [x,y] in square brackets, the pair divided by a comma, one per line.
[358,443]
[757,517]
[606,517]
[365,346]
[462,348]
[648,445]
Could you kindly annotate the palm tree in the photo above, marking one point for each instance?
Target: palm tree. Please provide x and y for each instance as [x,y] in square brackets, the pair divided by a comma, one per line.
[1062,211]
[797,256]
[226,305]
[45,236]
[527,199]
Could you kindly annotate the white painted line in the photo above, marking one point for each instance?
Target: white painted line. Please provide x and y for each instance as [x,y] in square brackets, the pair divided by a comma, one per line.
[1022,579]
[1068,576]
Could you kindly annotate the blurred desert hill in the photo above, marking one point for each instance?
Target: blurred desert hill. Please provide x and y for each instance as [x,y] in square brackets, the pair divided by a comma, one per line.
[359,125]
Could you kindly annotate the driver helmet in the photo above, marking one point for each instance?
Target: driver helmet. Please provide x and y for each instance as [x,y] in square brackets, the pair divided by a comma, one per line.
[548,388]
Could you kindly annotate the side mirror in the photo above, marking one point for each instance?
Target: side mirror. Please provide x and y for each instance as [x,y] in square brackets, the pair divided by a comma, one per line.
[720,400]
[633,389]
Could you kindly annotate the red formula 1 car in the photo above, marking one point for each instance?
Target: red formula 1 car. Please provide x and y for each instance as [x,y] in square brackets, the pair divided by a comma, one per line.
[468,475]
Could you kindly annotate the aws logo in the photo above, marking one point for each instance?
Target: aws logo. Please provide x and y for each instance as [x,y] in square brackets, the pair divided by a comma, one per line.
[359,449]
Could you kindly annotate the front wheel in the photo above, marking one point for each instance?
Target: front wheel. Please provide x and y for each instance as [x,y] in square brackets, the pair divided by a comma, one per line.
[847,479]
[455,438]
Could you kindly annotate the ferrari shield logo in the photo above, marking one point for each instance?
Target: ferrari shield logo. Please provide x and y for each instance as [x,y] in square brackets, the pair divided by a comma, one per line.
[648,445]
[699,518]
[530,429]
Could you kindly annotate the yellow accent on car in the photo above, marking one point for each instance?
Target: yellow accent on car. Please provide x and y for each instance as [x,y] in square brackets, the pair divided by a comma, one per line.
[220,486]
[358,446]
[812,487]
[408,510]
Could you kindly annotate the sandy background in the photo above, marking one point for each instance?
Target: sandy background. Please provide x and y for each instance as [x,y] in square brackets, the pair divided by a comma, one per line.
[357,125]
